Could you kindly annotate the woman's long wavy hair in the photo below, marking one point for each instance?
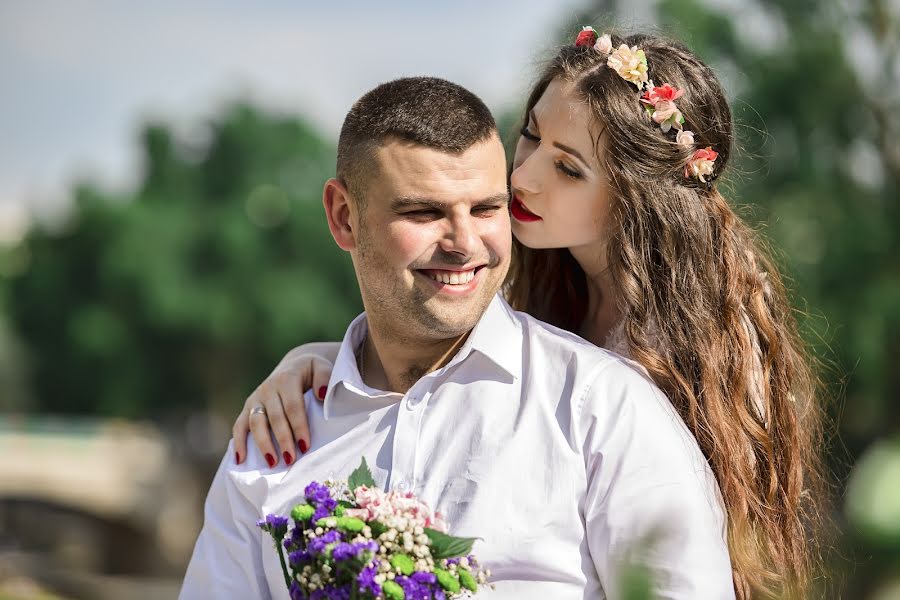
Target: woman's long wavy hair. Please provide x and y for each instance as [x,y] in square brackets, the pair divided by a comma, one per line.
[704,310]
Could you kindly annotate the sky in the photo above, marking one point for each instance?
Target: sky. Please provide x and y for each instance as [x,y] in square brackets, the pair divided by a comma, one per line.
[79,79]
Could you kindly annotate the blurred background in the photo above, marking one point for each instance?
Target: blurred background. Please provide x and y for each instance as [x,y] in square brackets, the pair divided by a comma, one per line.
[162,242]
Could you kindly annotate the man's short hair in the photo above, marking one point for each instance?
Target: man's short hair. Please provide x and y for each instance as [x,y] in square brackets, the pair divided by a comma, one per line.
[426,111]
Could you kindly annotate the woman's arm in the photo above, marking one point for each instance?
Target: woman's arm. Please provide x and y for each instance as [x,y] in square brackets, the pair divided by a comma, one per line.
[281,395]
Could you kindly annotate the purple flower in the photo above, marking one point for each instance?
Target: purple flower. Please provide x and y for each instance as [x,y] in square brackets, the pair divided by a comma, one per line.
[366,580]
[321,512]
[316,493]
[414,589]
[317,544]
[274,524]
[295,591]
[343,551]
[298,558]
[331,592]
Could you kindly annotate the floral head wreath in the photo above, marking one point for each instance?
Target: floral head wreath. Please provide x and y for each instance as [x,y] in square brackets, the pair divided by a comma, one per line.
[658,100]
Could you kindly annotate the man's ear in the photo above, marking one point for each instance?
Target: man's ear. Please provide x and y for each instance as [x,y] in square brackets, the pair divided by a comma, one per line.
[336,199]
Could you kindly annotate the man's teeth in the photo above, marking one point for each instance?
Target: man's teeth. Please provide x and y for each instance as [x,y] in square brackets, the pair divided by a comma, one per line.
[453,277]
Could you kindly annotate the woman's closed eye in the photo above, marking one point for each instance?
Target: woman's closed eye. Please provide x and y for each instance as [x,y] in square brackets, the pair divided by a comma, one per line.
[528,135]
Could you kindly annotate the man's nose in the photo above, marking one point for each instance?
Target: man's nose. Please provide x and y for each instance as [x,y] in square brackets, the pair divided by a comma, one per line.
[461,236]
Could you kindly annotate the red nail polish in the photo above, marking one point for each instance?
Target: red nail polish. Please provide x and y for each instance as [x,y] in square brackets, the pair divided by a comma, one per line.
[322,391]
[287,458]
[303,446]
[270,459]
[237,458]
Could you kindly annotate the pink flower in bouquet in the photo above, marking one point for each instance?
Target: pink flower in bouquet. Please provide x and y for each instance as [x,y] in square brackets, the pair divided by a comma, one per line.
[438,523]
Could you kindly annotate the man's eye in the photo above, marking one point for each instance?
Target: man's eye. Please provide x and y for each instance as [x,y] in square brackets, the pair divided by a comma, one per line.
[485,210]
[425,212]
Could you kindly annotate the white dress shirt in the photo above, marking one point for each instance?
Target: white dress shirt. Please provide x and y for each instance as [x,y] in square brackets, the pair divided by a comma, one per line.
[562,457]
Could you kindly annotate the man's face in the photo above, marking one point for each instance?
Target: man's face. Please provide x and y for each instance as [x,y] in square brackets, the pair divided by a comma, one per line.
[433,240]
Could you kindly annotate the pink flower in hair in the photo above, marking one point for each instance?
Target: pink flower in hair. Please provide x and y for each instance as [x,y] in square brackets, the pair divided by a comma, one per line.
[667,115]
[702,164]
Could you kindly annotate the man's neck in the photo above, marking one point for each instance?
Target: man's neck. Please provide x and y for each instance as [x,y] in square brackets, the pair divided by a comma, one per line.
[395,364]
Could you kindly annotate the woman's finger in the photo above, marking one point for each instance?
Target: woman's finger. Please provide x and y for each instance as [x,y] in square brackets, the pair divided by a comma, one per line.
[259,416]
[239,432]
[321,374]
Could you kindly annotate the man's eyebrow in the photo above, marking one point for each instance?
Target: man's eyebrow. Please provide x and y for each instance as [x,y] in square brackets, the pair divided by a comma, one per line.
[413,201]
[404,202]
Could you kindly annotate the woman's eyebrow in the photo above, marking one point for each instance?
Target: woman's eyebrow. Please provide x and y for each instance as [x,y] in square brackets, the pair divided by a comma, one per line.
[571,151]
[563,147]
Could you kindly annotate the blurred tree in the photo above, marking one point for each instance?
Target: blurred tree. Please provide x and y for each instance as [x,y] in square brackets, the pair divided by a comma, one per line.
[184,294]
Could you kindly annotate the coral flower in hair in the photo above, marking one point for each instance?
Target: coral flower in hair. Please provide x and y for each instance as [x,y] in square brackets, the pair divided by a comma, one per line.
[664,92]
[586,37]
[630,64]
[702,164]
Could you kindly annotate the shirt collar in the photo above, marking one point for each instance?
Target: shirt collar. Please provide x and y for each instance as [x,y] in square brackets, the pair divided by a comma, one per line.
[497,336]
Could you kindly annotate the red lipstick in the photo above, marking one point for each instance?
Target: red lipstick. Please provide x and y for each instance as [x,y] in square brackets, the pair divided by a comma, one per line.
[521,213]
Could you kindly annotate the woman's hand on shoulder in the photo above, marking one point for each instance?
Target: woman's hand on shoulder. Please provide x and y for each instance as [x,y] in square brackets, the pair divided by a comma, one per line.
[283,412]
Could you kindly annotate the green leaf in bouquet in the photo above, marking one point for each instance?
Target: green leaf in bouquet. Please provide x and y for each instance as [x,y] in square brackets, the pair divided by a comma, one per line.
[377,528]
[361,476]
[448,546]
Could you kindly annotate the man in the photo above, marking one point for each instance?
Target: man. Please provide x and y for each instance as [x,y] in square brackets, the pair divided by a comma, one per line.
[561,457]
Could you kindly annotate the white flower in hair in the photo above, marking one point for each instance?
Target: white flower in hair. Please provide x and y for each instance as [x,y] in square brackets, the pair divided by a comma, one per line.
[685,137]
[630,64]
[604,44]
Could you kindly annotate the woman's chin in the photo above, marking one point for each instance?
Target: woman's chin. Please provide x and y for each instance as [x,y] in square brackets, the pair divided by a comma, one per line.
[532,239]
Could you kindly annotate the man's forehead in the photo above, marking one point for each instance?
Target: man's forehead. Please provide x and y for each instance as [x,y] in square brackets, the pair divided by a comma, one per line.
[417,171]
[484,157]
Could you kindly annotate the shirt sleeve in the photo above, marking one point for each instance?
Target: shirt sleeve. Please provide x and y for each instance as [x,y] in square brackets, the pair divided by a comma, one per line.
[652,500]
[227,558]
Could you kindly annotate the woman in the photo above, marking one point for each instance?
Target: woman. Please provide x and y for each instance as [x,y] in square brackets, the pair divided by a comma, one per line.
[623,237]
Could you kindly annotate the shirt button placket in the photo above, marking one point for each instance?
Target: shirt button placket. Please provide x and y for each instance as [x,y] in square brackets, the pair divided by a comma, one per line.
[406,440]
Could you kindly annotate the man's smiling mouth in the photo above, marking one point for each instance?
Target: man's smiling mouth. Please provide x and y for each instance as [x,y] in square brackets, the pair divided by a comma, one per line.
[451,277]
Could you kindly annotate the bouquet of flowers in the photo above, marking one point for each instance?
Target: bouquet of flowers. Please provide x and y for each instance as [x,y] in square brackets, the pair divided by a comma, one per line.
[352,541]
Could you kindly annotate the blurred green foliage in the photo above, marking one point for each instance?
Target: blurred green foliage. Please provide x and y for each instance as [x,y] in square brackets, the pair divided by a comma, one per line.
[183,294]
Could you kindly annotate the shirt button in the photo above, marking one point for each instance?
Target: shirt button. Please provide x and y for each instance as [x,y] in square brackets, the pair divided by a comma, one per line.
[412,402]
[402,486]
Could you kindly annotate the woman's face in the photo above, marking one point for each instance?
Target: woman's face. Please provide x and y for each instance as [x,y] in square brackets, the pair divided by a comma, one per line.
[560,191]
